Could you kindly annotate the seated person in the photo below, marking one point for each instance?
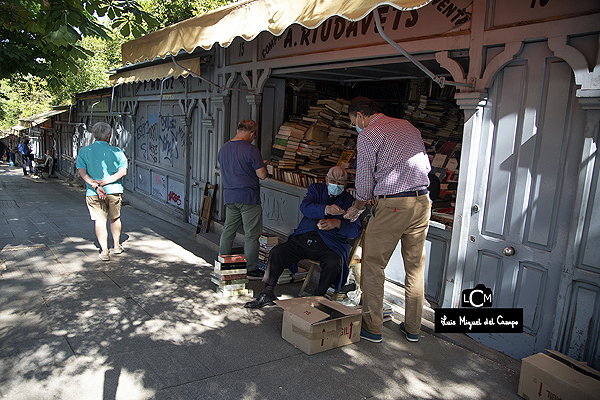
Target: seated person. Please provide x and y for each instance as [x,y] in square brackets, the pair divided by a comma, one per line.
[322,236]
[44,164]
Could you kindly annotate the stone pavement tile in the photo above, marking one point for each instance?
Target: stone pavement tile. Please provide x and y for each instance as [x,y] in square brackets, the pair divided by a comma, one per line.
[232,351]
[82,286]
[431,368]
[18,326]
[27,358]
[139,278]
[30,261]
[202,305]
[87,378]
[110,342]
[292,378]
[23,295]
[162,367]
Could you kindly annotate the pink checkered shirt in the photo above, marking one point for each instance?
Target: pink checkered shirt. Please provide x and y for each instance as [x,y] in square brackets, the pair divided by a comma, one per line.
[391,158]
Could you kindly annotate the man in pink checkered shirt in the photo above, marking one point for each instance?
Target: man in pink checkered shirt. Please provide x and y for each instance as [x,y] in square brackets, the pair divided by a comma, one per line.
[392,168]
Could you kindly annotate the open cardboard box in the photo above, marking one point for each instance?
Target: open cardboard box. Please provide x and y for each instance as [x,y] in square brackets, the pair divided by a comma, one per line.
[315,324]
[557,376]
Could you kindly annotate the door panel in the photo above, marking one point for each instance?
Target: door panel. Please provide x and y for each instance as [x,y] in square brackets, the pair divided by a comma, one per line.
[519,182]
[578,313]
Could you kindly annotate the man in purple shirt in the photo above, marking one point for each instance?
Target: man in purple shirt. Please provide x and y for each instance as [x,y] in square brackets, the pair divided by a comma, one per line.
[392,168]
[241,168]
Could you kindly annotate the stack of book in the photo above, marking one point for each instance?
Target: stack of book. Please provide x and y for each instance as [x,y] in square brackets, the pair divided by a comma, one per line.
[230,275]
[387,312]
[287,276]
[438,119]
[266,242]
[329,295]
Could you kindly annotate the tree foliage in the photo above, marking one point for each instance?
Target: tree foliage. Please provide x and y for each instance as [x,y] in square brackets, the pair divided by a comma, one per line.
[41,37]
[170,12]
[52,49]
[24,96]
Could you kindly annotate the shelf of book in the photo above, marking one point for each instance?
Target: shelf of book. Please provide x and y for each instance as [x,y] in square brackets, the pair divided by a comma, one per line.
[318,135]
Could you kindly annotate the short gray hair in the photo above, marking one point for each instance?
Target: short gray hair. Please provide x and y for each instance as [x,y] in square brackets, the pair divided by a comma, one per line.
[101,131]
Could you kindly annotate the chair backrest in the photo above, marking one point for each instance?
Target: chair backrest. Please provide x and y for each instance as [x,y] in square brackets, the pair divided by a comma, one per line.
[354,243]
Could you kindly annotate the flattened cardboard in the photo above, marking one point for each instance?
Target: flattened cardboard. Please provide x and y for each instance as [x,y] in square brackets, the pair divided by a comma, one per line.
[557,376]
[315,324]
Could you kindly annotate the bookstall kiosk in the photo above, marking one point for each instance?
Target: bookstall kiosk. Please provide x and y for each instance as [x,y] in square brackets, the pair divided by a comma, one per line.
[524,220]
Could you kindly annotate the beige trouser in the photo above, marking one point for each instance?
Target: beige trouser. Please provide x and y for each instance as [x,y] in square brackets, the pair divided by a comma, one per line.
[404,219]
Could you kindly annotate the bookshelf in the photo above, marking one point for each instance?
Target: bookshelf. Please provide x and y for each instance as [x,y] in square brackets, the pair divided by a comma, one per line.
[317,134]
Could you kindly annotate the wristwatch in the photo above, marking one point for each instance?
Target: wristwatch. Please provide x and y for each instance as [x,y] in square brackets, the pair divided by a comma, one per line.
[97,186]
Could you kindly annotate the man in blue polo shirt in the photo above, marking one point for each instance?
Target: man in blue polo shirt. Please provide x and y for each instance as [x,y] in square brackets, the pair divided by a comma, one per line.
[241,168]
[102,166]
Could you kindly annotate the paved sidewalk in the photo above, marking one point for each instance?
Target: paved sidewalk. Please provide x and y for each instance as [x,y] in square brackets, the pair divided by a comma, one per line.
[149,325]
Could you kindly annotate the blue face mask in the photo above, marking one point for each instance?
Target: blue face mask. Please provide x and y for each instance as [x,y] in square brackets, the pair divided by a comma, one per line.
[358,129]
[335,190]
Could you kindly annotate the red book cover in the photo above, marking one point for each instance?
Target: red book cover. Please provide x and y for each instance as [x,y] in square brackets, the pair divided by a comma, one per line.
[232,259]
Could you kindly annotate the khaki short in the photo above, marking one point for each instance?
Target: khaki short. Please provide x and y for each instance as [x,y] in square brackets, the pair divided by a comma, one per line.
[102,209]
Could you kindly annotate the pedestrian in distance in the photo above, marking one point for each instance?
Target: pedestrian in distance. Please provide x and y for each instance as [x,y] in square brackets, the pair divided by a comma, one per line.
[102,167]
[242,167]
[26,156]
[392,167]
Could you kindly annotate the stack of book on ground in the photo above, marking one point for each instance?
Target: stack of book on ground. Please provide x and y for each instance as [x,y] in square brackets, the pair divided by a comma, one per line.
[266,242]
[329,295]
[288,277]
[230,275]
[387,312]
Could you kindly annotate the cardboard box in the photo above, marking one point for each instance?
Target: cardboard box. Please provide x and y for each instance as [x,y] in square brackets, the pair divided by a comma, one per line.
[557,376]
[315,324]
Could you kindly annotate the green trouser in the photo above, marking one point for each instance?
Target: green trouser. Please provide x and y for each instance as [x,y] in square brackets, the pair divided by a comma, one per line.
[250,215]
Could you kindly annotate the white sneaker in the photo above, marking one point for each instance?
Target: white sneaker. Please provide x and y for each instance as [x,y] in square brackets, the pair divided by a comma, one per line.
[118,250]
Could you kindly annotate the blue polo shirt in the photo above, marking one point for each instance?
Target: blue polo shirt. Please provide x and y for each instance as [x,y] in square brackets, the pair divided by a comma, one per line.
[102,160]
[239,161]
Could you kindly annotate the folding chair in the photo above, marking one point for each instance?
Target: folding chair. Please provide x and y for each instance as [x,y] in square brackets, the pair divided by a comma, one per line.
[206,211]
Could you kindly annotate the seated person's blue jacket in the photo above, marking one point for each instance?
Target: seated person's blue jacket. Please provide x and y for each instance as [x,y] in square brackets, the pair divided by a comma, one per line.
[313,209]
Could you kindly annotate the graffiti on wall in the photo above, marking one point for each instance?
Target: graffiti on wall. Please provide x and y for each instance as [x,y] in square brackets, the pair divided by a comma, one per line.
[143,179]
[169,139]
[159,186]
[176,193]
[160,140]
[280,210]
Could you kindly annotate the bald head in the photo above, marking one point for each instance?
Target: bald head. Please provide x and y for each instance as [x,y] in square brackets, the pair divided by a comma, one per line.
[246,130]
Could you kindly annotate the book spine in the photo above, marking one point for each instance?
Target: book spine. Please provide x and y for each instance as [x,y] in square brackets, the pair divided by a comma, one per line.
[222,282]
[236,258]
[230,277]
[240,271]
[225,266]
[236,286]
[230,293]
